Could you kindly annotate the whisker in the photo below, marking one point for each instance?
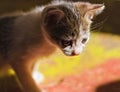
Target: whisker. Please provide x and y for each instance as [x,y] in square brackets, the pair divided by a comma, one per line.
[98,25]
[101,22]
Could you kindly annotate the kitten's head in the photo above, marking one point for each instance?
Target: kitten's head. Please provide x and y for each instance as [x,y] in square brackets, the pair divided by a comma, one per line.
[67,24]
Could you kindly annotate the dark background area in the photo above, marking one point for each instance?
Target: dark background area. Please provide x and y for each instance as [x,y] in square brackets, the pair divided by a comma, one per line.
[109,20]
[109,87]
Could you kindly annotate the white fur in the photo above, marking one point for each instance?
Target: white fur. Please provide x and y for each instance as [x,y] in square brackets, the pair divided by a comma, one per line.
[68,50]
[58,2]
[37,76]
[39,9]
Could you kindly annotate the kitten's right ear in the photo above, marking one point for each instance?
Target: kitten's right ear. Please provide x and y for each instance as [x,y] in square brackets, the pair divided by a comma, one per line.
[93,10]
[52,15]
[89,10]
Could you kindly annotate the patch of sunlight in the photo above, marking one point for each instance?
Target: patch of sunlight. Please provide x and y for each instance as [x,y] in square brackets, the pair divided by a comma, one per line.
[11,72]
[94,54]
[6,71]
[62,65]
[113,53]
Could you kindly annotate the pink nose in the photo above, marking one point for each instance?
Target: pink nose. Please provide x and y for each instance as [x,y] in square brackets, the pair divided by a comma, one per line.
[74,53]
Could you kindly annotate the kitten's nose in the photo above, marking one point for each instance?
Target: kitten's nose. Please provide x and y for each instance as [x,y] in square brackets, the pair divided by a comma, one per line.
[73,53]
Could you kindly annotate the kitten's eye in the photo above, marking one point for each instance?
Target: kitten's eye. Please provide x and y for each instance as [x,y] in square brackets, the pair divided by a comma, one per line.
[66,43]
[84,40]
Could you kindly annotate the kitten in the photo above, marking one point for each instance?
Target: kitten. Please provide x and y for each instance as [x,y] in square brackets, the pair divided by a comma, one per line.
[28,36]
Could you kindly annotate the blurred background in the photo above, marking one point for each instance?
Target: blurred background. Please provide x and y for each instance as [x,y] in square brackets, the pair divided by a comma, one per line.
[97,69]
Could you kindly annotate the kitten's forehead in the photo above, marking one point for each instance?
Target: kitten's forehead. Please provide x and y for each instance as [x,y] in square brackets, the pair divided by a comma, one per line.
[72,16]
[67,5]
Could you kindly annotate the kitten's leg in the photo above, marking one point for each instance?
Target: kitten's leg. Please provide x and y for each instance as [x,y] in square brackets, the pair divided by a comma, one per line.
[24,75]
[3,66]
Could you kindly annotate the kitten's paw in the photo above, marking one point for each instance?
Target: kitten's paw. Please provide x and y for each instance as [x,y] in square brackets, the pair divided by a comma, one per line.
[38,77]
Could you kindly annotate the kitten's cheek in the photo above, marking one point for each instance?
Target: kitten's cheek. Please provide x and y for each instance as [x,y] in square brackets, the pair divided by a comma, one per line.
[67,50]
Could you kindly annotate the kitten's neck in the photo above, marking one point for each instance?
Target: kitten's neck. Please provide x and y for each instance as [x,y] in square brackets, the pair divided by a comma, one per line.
[47,46]
[37,43]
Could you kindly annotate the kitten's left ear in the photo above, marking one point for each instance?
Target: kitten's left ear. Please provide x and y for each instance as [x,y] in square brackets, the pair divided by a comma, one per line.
[52,15]
[93,10]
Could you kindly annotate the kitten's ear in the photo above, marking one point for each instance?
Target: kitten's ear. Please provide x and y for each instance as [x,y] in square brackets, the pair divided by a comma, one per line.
[53,15]
[93,10]
[89,10]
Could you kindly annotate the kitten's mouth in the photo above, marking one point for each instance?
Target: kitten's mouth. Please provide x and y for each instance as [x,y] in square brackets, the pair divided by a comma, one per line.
[70,53]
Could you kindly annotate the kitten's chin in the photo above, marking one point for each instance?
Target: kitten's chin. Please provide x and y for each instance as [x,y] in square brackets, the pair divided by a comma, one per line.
[71,53]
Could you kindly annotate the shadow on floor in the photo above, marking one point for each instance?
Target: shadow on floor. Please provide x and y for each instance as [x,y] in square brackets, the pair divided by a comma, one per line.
[110,87]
